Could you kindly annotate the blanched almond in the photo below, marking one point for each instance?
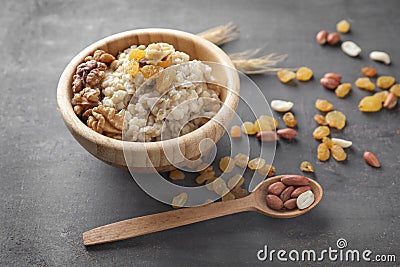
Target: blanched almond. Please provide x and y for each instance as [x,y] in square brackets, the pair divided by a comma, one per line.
[281,105]
[341,142]
[380,56]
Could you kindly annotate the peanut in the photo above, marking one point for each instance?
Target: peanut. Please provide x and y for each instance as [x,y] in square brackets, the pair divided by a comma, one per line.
[329,83]
[300,190]
[333,38]
[285,195]
[267,136]
[297,180]
[274,202]
[287,133]
[321,37]
[276,188]
[291,204]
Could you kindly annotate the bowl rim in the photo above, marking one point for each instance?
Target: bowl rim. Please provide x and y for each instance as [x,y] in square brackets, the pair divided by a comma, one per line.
[75,125]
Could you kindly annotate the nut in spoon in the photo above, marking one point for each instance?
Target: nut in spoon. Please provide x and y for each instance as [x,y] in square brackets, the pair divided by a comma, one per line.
[175,218]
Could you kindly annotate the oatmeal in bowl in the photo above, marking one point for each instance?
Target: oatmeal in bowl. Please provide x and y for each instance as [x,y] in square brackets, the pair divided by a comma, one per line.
[150,88]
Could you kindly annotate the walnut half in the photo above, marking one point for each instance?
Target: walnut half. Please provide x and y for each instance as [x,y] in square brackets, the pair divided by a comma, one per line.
[104,120]
[85,99]
[88,73]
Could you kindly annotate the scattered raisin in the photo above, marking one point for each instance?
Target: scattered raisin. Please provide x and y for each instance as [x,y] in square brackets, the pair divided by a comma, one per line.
[336,119]
[320,132]
[323,105]
[289,119]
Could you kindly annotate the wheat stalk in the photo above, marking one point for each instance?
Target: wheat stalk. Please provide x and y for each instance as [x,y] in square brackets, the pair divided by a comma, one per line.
[245,61]
[221,34]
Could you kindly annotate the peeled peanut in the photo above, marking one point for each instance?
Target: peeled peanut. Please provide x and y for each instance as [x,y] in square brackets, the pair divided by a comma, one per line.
[351,49]
[305,200]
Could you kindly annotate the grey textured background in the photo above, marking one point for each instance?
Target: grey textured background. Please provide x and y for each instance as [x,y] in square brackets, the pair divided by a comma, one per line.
[52,190]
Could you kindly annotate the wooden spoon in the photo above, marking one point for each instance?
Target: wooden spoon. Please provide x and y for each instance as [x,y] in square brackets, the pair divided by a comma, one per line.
[174,218]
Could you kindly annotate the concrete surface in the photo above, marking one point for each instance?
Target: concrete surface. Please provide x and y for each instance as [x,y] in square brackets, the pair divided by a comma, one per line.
[52,190]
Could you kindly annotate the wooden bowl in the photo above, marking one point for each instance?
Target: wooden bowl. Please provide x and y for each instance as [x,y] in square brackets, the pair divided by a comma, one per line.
[151,155]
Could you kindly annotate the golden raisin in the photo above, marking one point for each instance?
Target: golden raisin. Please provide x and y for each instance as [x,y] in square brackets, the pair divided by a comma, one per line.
[206,170]
[165,63]
[236,132]
[136,54]
[329,143]
[239,192]
[395,89]
[265,123]
[323,153]
[176,175]
[336,119]
[370,104]
[236,180]
[343,90]
[320,132]
[227,197]
[385,82]
[338,153]
[368,72]
[343,26]
[306,166]
[219,187]
[209,184]
[226,164]
[320,119]
[150,70]
[381,96]
[289,119]
[241,160]
[132,68]
[204,177]
[179,201]
[323,105]
[286,76]
[256,163]
[365,83]
[304,74]
[267,170]
[248,128]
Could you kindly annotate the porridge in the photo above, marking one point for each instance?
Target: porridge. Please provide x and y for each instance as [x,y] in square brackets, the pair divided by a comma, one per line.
[148,93]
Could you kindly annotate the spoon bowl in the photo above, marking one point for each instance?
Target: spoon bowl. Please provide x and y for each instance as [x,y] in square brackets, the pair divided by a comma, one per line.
[166,220]
[260,192]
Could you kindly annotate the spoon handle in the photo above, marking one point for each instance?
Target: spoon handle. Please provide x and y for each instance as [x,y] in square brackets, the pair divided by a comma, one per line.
[165,220]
